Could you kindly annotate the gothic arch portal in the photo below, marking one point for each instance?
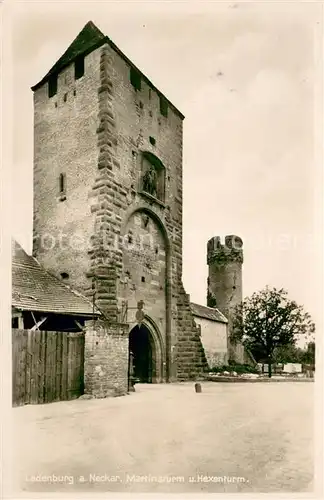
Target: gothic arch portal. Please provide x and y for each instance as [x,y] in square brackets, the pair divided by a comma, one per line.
[164,351]
[147,337]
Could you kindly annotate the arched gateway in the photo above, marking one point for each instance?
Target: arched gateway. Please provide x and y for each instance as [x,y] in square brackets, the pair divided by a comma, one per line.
[144,289]
[145,354]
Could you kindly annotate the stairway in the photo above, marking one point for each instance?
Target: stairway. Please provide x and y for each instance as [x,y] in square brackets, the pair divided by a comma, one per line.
[190,355]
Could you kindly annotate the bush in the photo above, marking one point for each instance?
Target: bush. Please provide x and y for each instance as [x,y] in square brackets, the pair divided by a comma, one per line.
[234,367]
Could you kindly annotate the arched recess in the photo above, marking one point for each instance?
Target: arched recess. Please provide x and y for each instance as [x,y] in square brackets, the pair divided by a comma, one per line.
[150,162]
[166,352]
[151,213]
[158,349]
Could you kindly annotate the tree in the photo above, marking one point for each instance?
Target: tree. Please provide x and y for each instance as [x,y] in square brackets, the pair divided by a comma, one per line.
[268,320]
[309,354]
[288,354]
[293,354]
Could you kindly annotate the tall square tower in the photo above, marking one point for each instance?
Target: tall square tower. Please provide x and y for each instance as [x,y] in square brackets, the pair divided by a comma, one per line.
[108,199]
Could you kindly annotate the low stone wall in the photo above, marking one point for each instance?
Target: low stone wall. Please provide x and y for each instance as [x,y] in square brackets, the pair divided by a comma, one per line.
[106,359]
[254,380]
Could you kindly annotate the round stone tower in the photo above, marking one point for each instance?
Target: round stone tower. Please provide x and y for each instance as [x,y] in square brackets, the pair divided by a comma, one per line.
[224,289]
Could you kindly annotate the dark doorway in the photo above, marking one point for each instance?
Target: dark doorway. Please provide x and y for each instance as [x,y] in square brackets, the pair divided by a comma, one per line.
[142,349]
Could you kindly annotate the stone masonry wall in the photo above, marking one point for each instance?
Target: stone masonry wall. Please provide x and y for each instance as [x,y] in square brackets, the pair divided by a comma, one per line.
[225,282]
[135,119]
[112,124]
[144,269]
[138,120]
[106,360]
[109,200]
[65,141]
[190,355]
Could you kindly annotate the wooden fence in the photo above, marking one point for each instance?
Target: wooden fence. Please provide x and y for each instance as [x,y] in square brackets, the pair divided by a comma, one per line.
[46,366]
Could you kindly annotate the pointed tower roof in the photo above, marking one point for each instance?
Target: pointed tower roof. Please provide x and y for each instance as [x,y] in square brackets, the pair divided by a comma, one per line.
[89,38]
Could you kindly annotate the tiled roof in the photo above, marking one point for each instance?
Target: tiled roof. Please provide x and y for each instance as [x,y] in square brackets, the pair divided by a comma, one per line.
[35,289]
[210,313]
[89,39]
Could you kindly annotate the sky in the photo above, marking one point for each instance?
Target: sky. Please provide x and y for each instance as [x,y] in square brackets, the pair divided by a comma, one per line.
[246,77]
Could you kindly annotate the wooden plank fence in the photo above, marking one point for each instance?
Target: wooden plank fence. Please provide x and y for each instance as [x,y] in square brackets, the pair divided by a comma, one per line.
[47,366]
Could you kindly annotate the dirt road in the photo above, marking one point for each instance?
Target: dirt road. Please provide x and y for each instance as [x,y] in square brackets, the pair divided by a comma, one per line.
[167,438]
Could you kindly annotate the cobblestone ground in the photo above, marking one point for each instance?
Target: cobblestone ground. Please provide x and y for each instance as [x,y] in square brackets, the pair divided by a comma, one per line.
[230,438]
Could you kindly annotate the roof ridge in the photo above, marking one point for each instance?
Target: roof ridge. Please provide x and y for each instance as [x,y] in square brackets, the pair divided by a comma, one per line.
[207,307]
[203,305]
[88,39]
[207,312]
[89,36]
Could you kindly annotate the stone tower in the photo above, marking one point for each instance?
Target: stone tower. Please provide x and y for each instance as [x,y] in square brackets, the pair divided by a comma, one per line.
[224,289]
[108,198]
